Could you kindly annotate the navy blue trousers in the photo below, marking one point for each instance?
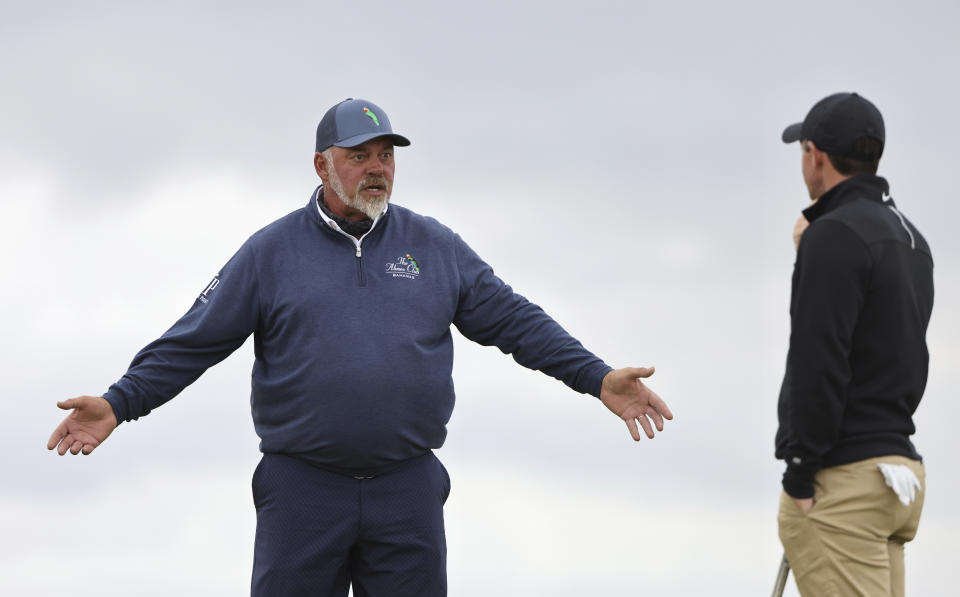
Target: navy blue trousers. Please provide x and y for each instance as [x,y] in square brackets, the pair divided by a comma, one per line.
[318,531]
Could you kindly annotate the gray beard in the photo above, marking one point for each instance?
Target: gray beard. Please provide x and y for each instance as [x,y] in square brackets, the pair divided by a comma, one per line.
[371,207]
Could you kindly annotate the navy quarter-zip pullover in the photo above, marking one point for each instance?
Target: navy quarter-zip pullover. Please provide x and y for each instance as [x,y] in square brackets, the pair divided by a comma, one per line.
[857,365]
[352,341]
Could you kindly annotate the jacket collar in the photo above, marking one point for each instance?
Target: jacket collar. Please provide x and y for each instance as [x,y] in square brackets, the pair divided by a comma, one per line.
[321,219]
[865,186]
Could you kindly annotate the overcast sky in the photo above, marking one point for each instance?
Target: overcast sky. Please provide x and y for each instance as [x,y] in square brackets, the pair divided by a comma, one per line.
[619,163]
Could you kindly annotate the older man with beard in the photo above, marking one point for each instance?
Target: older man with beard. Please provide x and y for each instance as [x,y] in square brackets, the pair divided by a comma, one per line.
[350,302]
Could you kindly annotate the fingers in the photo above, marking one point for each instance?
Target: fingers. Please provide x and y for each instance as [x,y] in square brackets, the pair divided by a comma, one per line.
[657,418]
[73,445]
[637,372]
[643,417]
[645,423]
[64,445]
[58,434]
[69,404]
[655,406]
[660,406]
[632,426]
[58,439]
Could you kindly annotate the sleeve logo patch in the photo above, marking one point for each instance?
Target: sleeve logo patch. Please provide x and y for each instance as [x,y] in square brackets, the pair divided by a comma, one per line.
[404,267]
[205,295]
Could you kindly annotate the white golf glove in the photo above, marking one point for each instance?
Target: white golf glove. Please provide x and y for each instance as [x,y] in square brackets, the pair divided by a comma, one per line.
[901,480]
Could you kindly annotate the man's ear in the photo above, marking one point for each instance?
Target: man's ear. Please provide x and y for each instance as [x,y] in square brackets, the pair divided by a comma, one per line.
[818,156]
[320,164]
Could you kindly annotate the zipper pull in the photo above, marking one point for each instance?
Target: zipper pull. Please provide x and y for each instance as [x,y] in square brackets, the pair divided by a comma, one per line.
[359,254]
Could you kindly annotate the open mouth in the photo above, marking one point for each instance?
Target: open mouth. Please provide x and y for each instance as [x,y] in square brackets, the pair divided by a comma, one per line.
[374,189]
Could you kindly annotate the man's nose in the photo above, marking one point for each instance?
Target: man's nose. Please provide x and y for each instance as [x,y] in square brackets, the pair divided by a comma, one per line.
[375,166]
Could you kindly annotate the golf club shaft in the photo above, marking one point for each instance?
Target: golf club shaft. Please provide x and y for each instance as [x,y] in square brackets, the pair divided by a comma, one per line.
[781,577]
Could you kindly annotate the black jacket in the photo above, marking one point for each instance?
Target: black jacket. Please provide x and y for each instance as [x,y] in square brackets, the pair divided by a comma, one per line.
[857,366]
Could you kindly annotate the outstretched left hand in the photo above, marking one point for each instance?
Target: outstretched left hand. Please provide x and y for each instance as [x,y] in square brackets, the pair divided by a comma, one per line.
[90,422]
[627,397]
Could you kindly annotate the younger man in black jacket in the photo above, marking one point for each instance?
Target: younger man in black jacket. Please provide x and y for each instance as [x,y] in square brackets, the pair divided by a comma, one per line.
[857,366]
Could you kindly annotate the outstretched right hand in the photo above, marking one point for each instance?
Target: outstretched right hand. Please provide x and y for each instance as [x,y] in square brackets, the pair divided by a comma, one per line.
[90,423]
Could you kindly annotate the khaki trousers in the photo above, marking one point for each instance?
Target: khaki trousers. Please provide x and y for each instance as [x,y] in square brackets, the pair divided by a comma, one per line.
[851,542]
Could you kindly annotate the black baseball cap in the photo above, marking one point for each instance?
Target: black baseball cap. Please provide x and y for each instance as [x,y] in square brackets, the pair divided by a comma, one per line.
[836,122]
[355,121]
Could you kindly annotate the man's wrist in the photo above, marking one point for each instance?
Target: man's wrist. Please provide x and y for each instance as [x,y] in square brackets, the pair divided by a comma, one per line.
[595,387]
[117,404]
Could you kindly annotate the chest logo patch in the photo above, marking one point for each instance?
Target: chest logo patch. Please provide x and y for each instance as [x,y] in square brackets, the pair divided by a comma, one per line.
[404,267]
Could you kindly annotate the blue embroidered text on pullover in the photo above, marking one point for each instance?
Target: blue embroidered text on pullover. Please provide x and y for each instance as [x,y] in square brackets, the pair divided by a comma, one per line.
[352,341]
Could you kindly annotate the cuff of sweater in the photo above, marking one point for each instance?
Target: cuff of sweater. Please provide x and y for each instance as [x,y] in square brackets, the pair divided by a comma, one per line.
[119,405]
[797,482]
[593,379]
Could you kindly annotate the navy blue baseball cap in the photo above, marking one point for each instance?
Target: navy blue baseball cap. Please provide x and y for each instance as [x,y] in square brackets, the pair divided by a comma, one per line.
[836,122]
[353,122]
